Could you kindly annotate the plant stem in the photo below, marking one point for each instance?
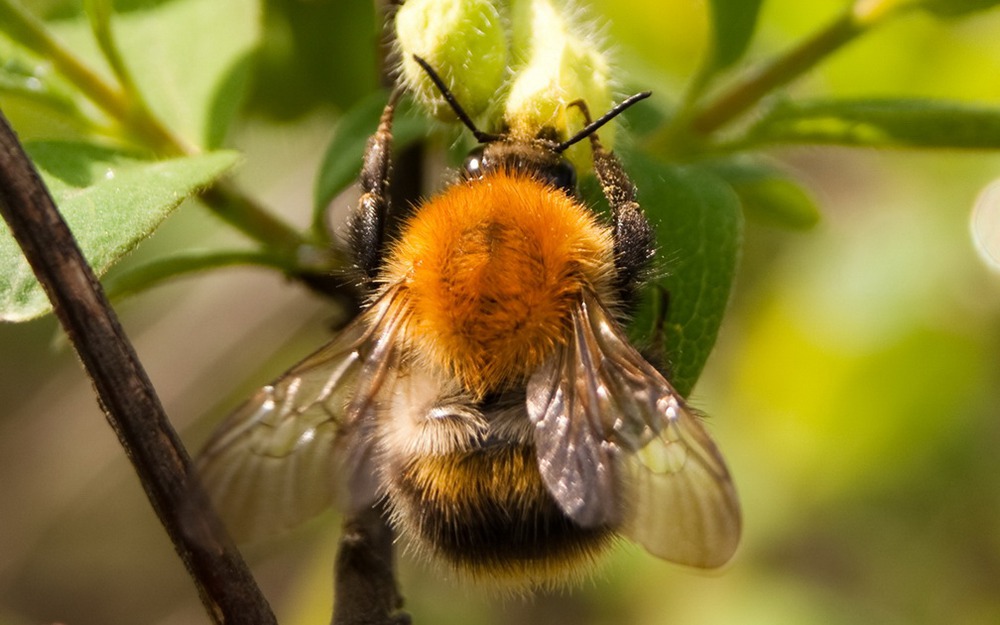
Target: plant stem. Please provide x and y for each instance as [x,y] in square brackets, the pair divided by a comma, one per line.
[739,98]
[134,280]
[30,32]
[238,209]
[782,70]
[365,590]
[99,14]
[125,393]
[140,119]
[126,106]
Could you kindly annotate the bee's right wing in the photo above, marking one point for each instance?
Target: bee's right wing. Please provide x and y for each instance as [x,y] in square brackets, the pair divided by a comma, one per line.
[299,442]
[618,447]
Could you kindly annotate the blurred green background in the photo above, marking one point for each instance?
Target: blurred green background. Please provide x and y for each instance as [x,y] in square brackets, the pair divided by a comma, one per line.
[855,389]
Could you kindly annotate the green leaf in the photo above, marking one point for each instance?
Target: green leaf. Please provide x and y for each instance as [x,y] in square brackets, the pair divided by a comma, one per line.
[110,200]
[957,8]
[769,196]
[342,161]
[20,25]
[190,58]
[19,78]
[37,101]
[699,233]
[123,282]
[306,40]
[37,107]
[882,123]
[733,25]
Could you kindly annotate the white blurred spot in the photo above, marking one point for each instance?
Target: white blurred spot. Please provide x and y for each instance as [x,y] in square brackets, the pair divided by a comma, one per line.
[109,174]
[986,225]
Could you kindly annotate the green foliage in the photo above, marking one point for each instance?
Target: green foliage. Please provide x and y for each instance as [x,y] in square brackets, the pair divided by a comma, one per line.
[733,24]
[173,91]
[173,60]
[882,123]
[192,78]
[699,235]
[957,8]
[135,279]
[313,54]
[768,195]
[111,201]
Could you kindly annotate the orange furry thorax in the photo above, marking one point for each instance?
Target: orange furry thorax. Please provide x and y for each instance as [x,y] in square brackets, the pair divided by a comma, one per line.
[492,268]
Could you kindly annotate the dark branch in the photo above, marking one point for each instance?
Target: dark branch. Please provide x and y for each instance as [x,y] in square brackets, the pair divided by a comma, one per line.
[365,590]
[125,393]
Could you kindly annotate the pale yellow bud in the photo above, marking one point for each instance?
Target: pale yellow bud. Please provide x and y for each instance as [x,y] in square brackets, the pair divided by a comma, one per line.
[561,63]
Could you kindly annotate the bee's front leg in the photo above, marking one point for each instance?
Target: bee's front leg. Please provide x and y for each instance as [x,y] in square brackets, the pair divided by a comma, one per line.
[367,225]
[633,235]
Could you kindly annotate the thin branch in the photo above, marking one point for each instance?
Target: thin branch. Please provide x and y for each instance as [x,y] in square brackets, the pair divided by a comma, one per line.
[238,209]
[696,121]
[365,587]
[125,393]
[782,70]
[149,275]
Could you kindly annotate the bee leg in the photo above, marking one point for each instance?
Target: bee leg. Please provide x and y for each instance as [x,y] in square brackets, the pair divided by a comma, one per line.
[633,234]
[367,225]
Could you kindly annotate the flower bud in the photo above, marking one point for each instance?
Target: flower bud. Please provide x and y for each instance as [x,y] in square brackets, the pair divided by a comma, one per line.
[562,63]
[466,44]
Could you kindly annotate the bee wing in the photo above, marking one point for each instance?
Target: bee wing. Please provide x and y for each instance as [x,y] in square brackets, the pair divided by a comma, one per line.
[618,446]
[280,458]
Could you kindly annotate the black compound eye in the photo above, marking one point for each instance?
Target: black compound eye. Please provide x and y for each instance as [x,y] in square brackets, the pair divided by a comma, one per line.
[563,176]
[473,166]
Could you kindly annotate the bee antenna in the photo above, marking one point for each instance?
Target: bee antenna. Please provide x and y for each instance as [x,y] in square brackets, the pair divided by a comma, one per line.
[594,126]
[482,137]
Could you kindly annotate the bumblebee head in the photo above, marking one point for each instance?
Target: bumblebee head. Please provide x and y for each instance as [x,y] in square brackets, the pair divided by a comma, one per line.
[515,156]
[541,156]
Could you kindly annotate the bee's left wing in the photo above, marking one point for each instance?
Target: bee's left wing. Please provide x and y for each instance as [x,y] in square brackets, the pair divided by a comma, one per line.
[618,447]
[298,442]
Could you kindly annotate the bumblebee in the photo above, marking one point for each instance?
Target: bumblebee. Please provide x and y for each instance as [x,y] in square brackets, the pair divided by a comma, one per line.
[487,392]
